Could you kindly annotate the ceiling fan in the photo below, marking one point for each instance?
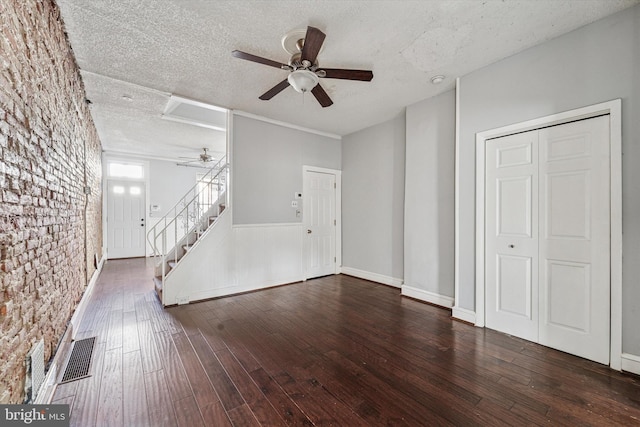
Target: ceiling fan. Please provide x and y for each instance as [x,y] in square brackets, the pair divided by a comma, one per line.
[303,67]
[204,157]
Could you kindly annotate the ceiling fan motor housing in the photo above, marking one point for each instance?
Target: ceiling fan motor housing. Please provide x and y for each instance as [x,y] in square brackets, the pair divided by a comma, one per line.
[296,60]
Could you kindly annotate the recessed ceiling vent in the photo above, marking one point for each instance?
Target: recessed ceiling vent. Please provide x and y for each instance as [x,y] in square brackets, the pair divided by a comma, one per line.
[195,113]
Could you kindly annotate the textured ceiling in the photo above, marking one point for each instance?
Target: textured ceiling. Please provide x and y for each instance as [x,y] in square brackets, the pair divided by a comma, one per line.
[146,50]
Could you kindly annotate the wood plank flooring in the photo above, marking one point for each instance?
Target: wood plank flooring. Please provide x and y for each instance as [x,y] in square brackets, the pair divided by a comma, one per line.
[330,351]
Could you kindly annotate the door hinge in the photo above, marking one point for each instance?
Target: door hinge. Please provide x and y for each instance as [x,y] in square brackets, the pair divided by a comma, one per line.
[334,185]
[334,222]
[334,260]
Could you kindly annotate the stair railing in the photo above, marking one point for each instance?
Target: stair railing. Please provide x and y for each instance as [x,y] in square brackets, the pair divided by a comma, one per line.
[189,216]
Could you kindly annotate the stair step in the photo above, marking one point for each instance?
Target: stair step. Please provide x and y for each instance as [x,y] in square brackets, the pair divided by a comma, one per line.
[187,247]
[157,284]
[172,264]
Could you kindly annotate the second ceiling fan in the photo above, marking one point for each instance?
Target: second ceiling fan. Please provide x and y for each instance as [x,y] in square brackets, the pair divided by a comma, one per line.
[303,67]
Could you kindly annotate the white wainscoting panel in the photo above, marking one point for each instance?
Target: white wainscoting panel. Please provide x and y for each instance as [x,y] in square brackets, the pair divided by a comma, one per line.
[268,255]
[430,297]
[207,271]
[232,259]
[374,277]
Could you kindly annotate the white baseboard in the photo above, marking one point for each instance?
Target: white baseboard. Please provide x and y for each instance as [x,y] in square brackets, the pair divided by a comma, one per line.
[464,314]
[430,297]
[374,277]
[630,363]
[233,290]
[82,305]
[49,385]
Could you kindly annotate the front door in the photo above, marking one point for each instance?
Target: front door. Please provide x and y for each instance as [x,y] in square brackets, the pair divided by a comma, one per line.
[125,219]
[548,237]
[319,213]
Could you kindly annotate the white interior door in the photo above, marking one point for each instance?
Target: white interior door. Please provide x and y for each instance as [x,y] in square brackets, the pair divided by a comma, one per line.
[512,235]
[125,219]
[575,238]
[548,237]
[319,214]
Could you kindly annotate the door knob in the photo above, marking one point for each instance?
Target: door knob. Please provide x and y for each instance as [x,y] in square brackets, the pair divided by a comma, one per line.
[308,231]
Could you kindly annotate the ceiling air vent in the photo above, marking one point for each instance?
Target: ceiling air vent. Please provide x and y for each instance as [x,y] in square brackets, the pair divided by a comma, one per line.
[195,113]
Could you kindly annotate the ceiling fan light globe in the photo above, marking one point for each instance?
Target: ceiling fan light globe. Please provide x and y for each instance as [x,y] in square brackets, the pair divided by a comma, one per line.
[303,80]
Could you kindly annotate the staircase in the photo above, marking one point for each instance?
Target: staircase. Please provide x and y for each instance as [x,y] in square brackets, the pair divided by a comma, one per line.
[186,222]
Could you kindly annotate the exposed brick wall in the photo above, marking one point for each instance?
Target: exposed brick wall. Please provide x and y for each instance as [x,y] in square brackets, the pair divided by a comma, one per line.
[49,151]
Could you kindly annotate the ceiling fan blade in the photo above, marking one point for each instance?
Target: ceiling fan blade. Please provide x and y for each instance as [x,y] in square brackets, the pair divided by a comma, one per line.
[312,43]
[258,59]
[321,96]
[339,73]
[275,90]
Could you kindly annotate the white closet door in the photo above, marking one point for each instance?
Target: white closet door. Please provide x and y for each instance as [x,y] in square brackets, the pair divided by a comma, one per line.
[511,235]
[575,238]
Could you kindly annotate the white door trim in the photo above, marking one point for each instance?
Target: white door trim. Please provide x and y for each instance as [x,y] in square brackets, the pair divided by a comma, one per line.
[457,311]
[614,109]
[338,207]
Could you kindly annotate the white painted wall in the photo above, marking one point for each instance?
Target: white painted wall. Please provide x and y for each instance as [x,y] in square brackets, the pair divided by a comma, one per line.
[373,202]
[429,200]
[266,170]
[595,63]
[168,182]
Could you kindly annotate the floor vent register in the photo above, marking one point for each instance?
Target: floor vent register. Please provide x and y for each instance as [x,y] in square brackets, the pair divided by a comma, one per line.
[79,361]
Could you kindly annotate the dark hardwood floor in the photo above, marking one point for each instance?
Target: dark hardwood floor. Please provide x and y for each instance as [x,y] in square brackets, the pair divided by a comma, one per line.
[330,351]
